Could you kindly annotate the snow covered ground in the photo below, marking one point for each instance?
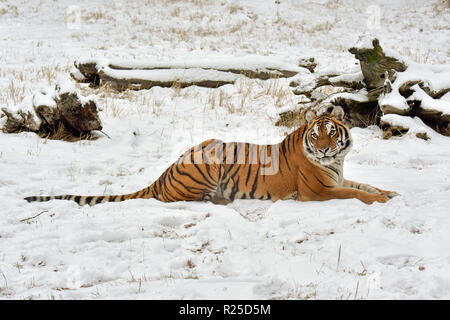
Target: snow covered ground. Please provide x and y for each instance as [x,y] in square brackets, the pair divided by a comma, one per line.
[145,249]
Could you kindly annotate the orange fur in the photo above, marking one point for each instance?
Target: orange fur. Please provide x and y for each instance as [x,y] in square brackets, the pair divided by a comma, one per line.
[306,165]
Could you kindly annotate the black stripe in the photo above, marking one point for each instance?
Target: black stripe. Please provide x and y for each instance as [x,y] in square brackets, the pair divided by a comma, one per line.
[329,175]
[251,149]
[255,185]
[208,171]
[236,152]
[264,161]
[235,189]
[203,175]
[283,150]
[224,184]
[306,179]
[287,142]
[311,189]
[235,172]
[170,178]
[192,178]
[165,189]
[308,149]
[186,187]
[231,166]
[248,174]
[176,189]
[293,140]
[326,186]
[332,169]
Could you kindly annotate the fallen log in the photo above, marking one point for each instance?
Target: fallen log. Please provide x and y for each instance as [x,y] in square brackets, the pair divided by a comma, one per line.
[386,85]
[419,92]
[396,125]
[54,113]
[211,74]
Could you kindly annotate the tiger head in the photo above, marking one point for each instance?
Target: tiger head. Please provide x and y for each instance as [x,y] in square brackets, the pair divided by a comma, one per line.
[326,138]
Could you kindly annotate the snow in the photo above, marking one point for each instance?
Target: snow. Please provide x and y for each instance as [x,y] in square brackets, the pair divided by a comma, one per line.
[191,75]
[44,97]
[414,125]
[434,77]
[146,249]
[26,107]
[396,100]
[47,96]
[428,103]
[360,96]
[192,71]
[248,62]
[350,77]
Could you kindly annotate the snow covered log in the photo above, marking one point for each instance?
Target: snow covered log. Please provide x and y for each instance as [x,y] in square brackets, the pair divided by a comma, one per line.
[385,85]
[54,113]
[397,125]
[420,91]
[346,90]
[124,75]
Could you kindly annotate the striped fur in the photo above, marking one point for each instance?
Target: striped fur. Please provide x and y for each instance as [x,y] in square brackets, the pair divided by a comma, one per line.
[306,165]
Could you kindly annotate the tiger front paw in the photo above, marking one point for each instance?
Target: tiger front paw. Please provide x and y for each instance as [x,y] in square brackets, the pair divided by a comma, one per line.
[389,194]
[374,198]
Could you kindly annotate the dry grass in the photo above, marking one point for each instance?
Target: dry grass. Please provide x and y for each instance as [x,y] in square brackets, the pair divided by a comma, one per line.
[111,108]
[175,12]
[62,133]
[279,91]
[441,7]
[333,4]
[234,8]
[320,28]
[93,16]
[216,99]
[9,10]
[19,84]
[15,92]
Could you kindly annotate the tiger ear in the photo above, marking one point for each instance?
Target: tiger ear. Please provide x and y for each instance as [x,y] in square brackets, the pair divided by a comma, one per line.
[338,112]
[309,116]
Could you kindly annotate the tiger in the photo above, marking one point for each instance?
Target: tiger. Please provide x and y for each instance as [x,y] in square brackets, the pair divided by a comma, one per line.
[306,166]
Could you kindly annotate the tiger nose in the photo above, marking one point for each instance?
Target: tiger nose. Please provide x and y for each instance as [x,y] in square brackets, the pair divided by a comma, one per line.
[324,150]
